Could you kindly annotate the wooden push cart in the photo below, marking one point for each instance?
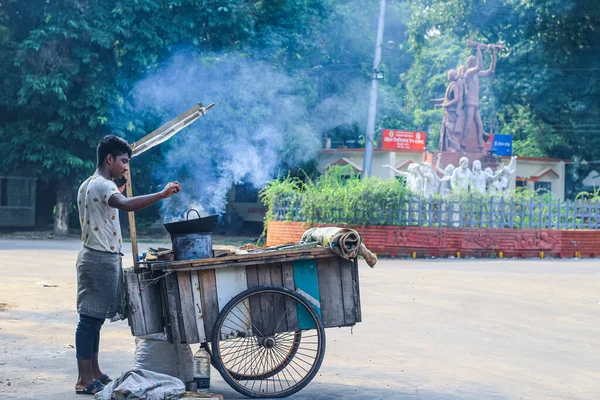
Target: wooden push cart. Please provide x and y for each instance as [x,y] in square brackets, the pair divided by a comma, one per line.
[264,315]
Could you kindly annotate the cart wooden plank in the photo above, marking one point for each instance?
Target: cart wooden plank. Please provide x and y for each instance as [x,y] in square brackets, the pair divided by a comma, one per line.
[267,304]
[287,270]
[254,301]
[348,292]
[355,279]
[198,313]
[330,291]
[135,318]
[186,297]
[307,285]
[231,282]
[172,309]
[243,259]
[279,307]
[210,302]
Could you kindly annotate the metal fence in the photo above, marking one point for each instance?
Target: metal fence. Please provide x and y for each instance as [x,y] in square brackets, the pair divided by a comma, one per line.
[469,213]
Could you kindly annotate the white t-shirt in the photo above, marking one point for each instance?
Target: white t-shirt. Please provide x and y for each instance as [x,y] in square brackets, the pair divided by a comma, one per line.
[100,228]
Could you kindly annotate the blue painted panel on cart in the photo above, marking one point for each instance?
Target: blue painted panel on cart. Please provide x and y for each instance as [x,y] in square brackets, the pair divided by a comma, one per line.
[306,280]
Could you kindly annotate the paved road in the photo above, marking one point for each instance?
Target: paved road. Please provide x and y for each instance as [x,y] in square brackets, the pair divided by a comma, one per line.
[432,330]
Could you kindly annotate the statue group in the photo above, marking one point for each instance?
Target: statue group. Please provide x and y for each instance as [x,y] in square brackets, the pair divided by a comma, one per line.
[461,120]
[461,101]
[421,179]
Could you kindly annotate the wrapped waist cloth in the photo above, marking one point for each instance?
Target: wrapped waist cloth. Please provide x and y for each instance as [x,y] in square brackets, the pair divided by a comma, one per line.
[100,285]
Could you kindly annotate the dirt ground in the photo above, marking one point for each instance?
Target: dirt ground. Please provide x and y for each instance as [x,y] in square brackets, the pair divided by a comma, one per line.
[432,330]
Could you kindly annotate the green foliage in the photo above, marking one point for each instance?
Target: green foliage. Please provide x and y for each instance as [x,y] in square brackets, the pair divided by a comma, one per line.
[341,197]
[339,193]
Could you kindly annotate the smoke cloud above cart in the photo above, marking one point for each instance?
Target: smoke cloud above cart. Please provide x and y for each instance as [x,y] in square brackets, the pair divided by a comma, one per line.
[262,122]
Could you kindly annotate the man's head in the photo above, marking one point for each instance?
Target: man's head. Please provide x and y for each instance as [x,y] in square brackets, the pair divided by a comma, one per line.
[464,163]
[477,166]
[425,167]
[448,170]
[471,61]
[452,75]
[113,153]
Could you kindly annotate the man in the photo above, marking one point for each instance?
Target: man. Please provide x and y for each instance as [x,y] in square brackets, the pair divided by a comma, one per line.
[99,273]
[472,115]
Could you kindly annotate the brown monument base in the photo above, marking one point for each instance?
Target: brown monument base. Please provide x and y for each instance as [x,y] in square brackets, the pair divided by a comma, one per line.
[449,157]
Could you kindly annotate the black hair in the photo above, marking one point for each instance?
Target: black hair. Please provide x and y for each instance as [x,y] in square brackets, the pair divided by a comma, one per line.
[111,144]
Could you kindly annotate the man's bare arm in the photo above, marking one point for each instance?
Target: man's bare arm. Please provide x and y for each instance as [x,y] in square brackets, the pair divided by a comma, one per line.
[139,202]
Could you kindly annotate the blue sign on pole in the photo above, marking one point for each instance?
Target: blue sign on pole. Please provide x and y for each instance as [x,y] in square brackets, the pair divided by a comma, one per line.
[502,145]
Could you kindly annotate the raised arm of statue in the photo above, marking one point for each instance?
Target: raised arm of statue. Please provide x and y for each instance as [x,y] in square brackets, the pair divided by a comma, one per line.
[492,68]
[401,173]
[497,175]
[438,164]
[512,167]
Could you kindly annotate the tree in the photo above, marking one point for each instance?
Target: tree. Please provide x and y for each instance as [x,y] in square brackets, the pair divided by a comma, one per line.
[68,68]
[545,90]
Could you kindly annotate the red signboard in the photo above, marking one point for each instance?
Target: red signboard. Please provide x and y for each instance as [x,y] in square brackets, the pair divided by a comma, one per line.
[403,140]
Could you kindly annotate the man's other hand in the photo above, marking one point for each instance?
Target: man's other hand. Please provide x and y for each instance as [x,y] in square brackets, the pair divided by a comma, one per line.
[170,189]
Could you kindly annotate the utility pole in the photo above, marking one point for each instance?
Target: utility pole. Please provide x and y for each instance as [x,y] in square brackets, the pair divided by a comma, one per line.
[373,97]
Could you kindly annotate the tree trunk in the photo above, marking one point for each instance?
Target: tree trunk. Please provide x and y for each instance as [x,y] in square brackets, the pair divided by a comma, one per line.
[64,195]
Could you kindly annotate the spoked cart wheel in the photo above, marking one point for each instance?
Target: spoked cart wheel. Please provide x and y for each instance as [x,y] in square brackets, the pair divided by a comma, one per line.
[268,342]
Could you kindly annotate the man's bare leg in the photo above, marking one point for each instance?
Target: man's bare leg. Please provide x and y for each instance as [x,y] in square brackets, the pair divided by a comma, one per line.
[84,378]
[95,368]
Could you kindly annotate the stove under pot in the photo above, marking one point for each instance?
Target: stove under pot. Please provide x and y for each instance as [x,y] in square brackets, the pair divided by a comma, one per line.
[192,238]
[192,246]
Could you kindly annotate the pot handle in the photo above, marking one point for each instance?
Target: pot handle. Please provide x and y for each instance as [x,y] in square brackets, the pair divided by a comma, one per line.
[187,213]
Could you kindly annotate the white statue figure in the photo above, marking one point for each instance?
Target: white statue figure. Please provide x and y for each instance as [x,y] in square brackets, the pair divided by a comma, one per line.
[431,181]
[461,177]
[479,178]
[505,174]
[489,182]
[445,188]
[414,180]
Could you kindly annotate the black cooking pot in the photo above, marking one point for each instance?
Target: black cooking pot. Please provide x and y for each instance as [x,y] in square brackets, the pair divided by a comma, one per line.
[197,225]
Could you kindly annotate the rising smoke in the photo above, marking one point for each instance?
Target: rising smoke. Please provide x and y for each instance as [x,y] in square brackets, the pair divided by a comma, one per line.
[261,123]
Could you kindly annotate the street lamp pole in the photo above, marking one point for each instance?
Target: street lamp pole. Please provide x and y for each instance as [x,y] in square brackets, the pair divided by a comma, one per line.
[368,159]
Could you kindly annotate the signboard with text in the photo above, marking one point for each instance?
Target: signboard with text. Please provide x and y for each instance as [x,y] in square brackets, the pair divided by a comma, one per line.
[500,145]
[403,140]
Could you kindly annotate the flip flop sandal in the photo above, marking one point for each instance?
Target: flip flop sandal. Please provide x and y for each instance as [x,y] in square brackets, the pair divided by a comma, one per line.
[91,389]
[105,379]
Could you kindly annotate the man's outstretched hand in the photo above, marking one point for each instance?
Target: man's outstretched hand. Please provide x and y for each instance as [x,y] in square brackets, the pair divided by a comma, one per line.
[170,189]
